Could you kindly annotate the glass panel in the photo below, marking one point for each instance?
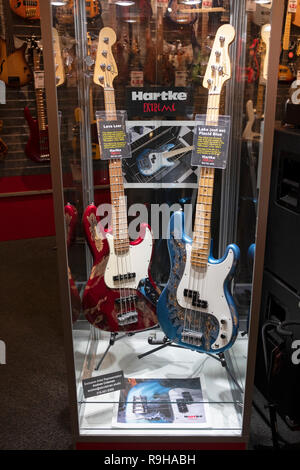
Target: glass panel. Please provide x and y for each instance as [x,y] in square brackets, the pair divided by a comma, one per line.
[163,63]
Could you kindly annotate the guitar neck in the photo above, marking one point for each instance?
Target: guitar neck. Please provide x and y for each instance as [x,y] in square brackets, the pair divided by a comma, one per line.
[118,201]
[39,95]
[202,224]
[173,153]
[40,106]
[287,32]
[9,37]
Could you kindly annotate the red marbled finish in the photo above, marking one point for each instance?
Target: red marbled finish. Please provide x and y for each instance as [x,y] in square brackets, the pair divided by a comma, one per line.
[98,300]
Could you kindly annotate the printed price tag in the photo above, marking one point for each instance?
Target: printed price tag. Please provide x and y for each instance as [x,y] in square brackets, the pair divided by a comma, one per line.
[113,139]
[292,7]
[211,144]
[102,384]
[2,92]
[250,5]
[137,78]
[39,79]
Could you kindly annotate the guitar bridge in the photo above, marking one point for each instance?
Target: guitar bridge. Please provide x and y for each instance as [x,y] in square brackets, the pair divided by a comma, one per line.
[192,337]
[127,318]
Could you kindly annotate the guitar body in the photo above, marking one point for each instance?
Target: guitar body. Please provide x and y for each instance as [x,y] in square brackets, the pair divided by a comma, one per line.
[209,328]
[71,216]
[93,9]
[29,10]
[176,14]
[149,161]
[37,147]
[65,14]
[102,304]
[14,70]
[296,21]
[285,74]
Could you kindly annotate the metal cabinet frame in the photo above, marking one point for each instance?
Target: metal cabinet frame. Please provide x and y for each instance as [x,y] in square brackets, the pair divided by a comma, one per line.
[163,442]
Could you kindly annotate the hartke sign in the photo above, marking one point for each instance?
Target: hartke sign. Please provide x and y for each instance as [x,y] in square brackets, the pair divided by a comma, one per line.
[157,101]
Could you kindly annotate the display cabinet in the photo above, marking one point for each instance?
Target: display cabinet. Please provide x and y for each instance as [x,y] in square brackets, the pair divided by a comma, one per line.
[166,120]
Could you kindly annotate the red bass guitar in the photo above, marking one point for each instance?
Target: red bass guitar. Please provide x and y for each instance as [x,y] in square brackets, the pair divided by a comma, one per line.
[71,216]
[120,294]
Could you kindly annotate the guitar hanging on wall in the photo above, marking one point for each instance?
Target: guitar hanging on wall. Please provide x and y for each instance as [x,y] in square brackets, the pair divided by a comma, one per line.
[14,70]
[27,9]
[257,113]
[114,299]
[37,147]
[285,73]
[196,309]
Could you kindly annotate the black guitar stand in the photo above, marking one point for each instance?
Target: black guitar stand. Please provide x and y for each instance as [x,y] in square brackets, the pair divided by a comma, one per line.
[166,342]
[116,337]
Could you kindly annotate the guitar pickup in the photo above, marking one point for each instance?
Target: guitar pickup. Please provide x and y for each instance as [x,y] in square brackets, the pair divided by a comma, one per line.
[124,277]
[196,301]
[124,300]
[192,337]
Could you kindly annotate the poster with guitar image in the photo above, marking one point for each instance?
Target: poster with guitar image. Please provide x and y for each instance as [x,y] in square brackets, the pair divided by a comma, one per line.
[162,403]
[161,155]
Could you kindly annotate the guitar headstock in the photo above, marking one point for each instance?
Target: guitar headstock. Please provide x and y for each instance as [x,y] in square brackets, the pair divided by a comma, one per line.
[218,70]
[105,67]
[36,50]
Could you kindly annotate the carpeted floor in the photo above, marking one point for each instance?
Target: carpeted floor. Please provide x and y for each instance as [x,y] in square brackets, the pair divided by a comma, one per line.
[34,411]
[33,390]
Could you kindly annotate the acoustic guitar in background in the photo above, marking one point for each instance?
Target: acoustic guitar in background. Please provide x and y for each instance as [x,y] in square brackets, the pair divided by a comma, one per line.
[14,69]
[27,9]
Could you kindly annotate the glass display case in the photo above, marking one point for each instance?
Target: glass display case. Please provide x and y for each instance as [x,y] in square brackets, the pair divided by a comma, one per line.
[166,121]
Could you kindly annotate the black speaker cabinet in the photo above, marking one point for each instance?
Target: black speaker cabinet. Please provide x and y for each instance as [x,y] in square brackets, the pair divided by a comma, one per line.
[281,381]
[282,256]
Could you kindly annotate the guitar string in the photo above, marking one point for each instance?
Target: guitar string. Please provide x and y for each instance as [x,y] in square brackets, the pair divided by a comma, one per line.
[127,293]
[113,201]
[212,119]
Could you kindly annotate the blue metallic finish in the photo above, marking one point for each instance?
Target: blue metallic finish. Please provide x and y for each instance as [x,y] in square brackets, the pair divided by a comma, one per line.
[171,315]
[143,159]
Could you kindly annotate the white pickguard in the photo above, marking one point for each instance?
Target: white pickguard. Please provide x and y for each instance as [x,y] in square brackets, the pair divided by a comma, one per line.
[136,260]
[210,285]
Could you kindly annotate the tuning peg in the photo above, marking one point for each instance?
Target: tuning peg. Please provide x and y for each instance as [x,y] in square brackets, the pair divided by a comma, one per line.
[222,40]
[101,79]
[220,70]
[104,53]
[103,66]
[106,40]
[218,54]
[209,81]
